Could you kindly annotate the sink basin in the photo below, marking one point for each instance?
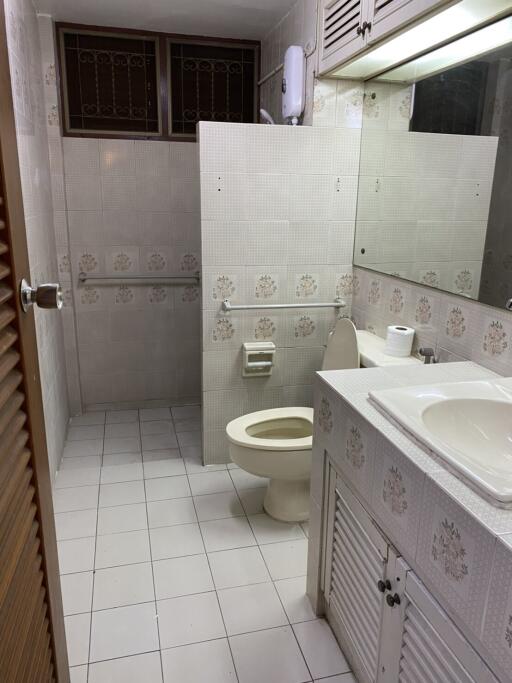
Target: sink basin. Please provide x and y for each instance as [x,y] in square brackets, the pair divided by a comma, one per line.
[468,424]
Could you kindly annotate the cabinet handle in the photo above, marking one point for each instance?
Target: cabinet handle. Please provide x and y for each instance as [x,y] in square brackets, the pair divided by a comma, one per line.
[384,586]
[367,26]
[393,600]
[360,30]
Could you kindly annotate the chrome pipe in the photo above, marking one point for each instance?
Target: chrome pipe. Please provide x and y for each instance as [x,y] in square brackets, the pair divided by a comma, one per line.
[228,306]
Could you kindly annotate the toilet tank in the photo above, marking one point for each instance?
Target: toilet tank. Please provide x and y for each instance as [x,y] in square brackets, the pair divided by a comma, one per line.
[341,352]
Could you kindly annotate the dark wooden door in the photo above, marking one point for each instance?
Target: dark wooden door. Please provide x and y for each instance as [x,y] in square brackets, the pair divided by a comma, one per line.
[32,639]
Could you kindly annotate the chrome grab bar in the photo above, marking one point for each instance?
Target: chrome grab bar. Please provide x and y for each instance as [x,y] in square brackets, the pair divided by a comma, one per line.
[228,306]
[84,278]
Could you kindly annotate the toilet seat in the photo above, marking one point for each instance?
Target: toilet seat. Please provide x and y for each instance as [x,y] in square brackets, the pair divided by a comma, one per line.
[238,430]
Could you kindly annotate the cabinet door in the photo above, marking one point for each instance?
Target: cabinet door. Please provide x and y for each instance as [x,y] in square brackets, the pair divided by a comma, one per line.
[388,16]
[358,557]
[341,36]
[432,649]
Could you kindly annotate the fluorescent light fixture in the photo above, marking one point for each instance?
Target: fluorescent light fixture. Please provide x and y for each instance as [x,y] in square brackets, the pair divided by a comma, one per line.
[462,50]
[443,26]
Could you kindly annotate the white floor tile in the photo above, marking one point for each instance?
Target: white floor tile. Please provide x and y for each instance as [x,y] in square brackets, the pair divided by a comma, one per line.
[190,425]
[120,586]
[192,452]
[83,476]
[77,638]
[127,493]
[82,433]
[252,500]
[287,559]
[117,416]
[210,661]
[78,674]
[94,418]
[295,601]
[251,608]
[162,454]
[225,534]
[75,524]
[210,482]
[76,592]
[78,449]
[167,487]
[342,678]
[157,427]
[80,462]
[122,430]
[239,567]
[186,412]
[129,547]
[189,619]
[194,465]
[246,480]
[155,442]
[78,498]
[121,459]
[171,512]
[147,414]
[271,656]
[189,439]
[129,444]
[176,541]
[218,506]
[182,576]
[123,631]
[322,652]
[268,530]
[133,669]
[112,474]
[169,467]
[76,555]
[121,518]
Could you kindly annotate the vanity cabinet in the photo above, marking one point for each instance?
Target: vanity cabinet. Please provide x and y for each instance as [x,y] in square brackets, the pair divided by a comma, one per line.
[390,626]
[348,27]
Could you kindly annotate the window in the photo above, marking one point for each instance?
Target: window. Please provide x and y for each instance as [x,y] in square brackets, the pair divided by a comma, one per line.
[121,83]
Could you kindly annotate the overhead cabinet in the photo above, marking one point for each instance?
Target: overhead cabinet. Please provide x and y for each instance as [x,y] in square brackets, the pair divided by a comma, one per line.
[389,625]
[349,27]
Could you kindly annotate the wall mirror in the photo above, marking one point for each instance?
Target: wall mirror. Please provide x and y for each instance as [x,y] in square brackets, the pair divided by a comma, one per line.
[435,187]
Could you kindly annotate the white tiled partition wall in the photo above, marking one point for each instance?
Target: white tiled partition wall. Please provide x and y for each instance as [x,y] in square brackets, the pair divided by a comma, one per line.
[25,58]
[133,209]
[277,225]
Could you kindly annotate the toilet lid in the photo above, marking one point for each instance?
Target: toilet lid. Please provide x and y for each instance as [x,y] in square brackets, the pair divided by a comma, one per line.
[236,430]
[342,352]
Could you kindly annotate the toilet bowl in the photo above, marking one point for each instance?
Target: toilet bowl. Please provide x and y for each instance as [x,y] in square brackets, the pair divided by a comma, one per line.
[277,443]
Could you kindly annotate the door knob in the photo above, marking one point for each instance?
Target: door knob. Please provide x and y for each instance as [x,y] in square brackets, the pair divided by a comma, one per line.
[45,296]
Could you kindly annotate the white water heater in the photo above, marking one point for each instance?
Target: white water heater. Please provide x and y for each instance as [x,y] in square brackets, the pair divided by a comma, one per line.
[294,76]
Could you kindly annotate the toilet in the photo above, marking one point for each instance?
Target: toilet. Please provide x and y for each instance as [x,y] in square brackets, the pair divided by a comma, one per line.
[277,443]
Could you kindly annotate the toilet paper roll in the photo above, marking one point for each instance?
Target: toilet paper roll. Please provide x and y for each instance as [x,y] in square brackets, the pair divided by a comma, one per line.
[399,340]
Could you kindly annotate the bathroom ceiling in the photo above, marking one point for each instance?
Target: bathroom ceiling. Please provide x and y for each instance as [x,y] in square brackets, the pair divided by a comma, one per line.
[247,19]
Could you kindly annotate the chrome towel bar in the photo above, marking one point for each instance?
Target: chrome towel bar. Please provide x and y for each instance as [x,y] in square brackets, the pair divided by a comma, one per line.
[228,306]
[84,278]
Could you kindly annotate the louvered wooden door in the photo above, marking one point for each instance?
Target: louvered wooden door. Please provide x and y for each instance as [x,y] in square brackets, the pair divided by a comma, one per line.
[341,35]
[32,640]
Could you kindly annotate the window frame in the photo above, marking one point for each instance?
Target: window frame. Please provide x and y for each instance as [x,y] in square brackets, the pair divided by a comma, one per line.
[162,42]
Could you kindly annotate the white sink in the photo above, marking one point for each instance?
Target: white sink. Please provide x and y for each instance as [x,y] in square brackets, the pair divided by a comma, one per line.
[468,424]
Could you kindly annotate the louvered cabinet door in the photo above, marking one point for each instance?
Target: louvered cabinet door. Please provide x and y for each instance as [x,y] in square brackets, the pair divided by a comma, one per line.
[358,557]
[32,639]
[432,649]
[341,36]
[388,16]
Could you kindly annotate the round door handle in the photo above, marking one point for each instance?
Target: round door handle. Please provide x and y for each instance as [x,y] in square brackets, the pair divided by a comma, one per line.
[384,586]
[393,600]
[48,295]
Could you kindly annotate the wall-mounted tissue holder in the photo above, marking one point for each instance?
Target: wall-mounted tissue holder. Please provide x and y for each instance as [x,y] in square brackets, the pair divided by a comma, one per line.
[258,359]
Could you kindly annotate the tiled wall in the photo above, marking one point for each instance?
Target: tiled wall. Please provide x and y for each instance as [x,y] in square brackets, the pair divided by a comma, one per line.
[25,64]
[458,328]
[424,198]
[277,221]
[297,27]
[133,209]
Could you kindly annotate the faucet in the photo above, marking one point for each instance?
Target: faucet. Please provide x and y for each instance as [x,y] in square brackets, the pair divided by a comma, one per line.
[428,354]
